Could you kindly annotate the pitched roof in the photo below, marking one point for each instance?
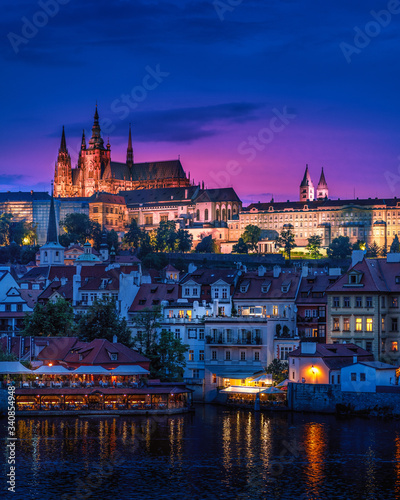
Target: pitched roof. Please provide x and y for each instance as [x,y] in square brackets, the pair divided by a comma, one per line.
[98,352]
[151,295]
[254,286]
[335,351]
[215,195]
[169,169]
[30,296]
[101,197]
[376,275]
[160,195]
[205,276]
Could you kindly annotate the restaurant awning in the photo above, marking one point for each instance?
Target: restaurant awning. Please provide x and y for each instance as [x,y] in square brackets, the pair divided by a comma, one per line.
[13,368]
[232,372]
[129,370]
[242,389]
[52,370]
[91,370]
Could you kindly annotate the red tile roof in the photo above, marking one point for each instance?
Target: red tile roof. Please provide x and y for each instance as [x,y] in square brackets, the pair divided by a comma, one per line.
[377,275]
[151,295]
[254,285]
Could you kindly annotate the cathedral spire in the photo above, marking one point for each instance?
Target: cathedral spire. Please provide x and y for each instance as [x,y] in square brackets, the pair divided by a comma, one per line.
[96,142]
[63,145]
[307,187]
[129,151]
[322,188]
[83,145]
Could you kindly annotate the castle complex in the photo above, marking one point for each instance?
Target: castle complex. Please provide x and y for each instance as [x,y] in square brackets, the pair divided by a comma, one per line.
[97,172]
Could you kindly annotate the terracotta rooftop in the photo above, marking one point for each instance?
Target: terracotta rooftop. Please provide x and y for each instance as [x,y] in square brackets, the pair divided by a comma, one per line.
[151,295]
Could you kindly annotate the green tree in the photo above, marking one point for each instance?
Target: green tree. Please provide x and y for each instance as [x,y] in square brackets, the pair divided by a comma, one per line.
[340,248]
[206,245]
[5,225]
[251,237]
[279,370]
[395,246]
[133,236]
[7,356]
[314,246]
[22,233]
[286,241]
[79,228]
[28,254]
[147,322]
[155,261]
[373,250]
[167,358]
[166,236]
[53,319]
[240,247]
[112,240]
[183,241]
[102,321]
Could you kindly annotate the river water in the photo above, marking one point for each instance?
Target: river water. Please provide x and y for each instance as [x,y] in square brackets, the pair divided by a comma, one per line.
[215,453]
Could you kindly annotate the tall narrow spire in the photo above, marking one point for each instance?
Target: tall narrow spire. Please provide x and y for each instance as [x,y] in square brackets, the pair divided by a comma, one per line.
[83,145]
[322,188]
[307,187]
[96,142]
[52,236]
[63,145]
[129,151]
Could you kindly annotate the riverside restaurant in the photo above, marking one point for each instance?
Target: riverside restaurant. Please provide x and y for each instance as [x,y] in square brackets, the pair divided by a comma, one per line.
[92,389]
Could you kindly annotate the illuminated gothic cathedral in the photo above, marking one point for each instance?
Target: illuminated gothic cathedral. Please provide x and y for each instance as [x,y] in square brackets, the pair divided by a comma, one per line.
[96,172]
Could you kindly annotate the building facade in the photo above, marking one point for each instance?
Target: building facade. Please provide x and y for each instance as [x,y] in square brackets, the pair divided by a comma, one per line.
[96,171]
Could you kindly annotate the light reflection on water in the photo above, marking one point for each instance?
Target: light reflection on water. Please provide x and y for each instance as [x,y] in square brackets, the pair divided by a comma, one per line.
[215,454]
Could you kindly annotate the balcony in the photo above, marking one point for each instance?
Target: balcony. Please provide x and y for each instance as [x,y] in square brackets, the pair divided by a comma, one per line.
[221,340]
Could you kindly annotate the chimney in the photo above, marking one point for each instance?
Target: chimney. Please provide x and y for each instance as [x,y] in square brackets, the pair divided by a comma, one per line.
[192,268]
[354,360]
[308,347]
[261,271]
[115,339]
[304,271]
[357,256]
[277,271]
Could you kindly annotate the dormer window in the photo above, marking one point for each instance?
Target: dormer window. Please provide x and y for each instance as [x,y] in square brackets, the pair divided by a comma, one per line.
[265,288]
[243,289]
[114,356]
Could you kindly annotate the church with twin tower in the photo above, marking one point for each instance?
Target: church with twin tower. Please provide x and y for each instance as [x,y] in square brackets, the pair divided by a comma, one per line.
[96,171]
[307,191]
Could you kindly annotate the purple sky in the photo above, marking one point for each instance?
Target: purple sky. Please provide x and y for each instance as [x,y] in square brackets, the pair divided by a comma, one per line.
[246,95]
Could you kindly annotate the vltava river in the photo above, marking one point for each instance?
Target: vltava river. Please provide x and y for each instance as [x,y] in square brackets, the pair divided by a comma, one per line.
[215,453]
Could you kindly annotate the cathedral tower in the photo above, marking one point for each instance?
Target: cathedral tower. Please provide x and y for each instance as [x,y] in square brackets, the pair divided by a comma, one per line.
[63,173]
[322,189]
[129,151]
[306,187]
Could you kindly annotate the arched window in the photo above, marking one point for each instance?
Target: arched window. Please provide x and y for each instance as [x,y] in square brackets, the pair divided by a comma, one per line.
[223,214]
[229,214]
[198,215]
[206,214]
[217,214]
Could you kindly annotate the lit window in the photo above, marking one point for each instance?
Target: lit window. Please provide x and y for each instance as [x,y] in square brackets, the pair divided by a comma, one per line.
[191,355]
[275,310]
[395,346]
[359,324]
[369,324]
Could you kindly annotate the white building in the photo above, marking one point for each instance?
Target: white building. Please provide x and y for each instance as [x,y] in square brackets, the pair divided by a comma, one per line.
[365,376]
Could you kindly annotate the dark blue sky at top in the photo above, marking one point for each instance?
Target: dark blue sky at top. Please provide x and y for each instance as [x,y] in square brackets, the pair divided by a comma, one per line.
[222,83]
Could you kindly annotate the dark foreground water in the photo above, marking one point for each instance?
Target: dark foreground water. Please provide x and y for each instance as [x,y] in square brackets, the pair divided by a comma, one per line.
[213,454]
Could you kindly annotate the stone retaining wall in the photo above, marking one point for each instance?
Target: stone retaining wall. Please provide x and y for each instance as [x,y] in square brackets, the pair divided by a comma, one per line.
[324,398]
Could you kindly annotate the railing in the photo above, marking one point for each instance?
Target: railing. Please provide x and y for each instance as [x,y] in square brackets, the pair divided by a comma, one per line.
[216,341]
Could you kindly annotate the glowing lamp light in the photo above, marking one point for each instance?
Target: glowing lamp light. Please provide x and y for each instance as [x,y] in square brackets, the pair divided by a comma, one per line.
[25,241]
[50,364]
[313,369]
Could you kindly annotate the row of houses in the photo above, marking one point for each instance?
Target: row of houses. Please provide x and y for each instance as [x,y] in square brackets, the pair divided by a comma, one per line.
[234,321]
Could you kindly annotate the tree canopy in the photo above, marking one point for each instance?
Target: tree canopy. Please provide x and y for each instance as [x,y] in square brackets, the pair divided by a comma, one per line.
[165,351]
[79,228]
[53,319]
[395,246]
[251,237]
[286,241]
[206,245]
[314,246]
[240,247]
[279,370]
[102,321]
[340,248]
